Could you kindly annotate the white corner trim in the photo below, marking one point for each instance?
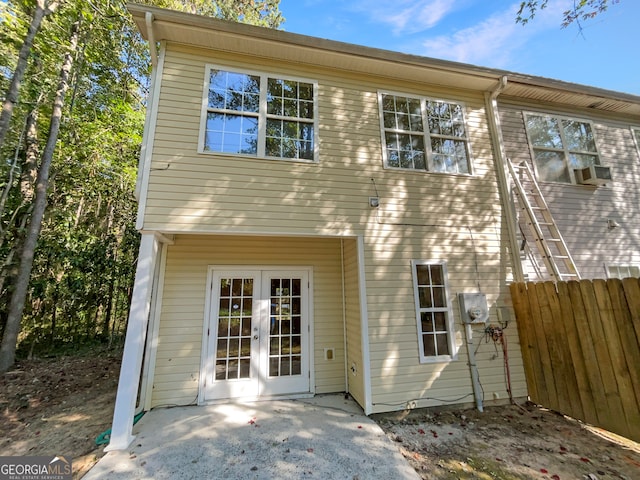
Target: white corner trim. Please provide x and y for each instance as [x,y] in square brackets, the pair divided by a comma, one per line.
[146,151]
[130,371]
[364,329]
[205,368]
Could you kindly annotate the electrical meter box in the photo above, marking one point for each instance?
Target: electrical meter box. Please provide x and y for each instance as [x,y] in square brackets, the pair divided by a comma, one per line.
[473,307]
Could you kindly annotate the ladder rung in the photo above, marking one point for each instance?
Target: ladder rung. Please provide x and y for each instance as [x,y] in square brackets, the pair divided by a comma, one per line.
[560,256]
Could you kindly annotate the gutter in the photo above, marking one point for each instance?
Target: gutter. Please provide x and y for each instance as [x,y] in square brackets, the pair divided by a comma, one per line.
[504,186]
[148,18]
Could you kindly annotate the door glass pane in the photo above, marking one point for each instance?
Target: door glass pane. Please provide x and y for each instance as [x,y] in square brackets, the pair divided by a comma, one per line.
[221,351]
[221,369]
[245,368]
[284,366]
[296,365]
[285,321]
[233,342]
[273,366]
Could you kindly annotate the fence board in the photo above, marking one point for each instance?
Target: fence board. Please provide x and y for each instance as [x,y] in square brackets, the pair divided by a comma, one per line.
[588,352]
[568,392]
[547,390]
[581,349]
[549,311]
[616,352]
[632,292]
[622,317]
[527,345]
[615,412]
[585,395]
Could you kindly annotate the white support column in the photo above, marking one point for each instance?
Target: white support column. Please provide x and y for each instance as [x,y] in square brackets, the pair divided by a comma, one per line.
[121,429]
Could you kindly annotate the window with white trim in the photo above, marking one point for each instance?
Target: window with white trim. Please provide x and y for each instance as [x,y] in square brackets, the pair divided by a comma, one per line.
[560,145]
[433,310]
[623,271]
[424,134]
[259,115]
[636,137]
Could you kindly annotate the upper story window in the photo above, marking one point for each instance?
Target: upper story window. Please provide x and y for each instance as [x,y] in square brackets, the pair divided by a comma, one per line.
[433,311]
[424,134]
[560,145]
[259,115]
[636,137]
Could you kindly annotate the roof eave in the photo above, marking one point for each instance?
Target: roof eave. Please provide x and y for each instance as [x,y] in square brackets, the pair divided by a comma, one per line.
[241,38]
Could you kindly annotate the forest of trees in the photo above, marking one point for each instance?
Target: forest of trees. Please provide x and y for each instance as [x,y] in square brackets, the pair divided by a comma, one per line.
[74,76]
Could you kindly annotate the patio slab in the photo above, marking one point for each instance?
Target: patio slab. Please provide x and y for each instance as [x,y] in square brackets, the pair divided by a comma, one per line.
[325,437]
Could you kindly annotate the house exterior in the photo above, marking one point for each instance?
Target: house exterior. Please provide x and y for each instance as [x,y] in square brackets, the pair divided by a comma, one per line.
[321,217]
[565,131]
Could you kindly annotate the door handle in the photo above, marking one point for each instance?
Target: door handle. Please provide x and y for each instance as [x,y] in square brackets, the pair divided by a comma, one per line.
[255,337]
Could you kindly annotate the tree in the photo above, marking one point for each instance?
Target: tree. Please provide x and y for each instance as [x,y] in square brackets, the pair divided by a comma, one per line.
[581,10]
[42,9]
[18,297]
[67,270]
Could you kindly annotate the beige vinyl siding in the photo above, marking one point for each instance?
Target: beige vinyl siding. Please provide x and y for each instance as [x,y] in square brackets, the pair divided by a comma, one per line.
[455,218]
[201,192]
[354,365]
[581,212]
[179,350]
[397,375]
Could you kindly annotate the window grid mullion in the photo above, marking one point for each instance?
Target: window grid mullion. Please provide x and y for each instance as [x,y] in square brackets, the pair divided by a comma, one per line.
[427,139]
[565,150]
[262,117]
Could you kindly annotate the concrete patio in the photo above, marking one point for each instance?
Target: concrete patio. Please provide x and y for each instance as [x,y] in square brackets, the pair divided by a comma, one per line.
[325,437]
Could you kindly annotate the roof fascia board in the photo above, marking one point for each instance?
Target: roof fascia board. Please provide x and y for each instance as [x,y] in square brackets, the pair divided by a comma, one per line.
[485,77]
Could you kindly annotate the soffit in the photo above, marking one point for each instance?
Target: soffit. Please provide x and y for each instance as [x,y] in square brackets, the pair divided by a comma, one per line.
[278,45]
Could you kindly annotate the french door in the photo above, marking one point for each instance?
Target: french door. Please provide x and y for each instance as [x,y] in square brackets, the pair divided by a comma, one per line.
[258,334]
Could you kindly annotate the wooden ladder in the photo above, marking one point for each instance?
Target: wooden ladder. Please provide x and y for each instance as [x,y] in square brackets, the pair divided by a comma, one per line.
[548,240]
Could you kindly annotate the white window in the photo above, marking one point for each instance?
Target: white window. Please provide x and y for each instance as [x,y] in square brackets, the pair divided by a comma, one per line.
[636,137]
[623,271]
[424,134]
[433,311]
[265,116]
[560,145]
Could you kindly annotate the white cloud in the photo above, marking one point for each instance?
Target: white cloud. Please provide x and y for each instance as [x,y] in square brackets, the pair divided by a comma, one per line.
[495,40]
[407,16]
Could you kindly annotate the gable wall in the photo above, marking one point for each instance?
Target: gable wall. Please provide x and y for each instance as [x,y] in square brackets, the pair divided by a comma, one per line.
[581,212]
[455,218]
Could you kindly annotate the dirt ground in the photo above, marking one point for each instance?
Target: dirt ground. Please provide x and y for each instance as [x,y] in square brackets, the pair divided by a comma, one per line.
[59,407]
[509,442]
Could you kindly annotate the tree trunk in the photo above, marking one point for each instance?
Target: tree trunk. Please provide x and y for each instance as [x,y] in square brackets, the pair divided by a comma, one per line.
[107,314]
[11,97]
[29,171]
[18,297]
[54,317]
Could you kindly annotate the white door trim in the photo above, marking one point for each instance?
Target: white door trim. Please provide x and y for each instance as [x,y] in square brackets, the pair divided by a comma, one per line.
[205,360]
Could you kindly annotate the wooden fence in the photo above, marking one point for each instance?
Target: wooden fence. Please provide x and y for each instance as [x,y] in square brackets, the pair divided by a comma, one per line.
[581,347]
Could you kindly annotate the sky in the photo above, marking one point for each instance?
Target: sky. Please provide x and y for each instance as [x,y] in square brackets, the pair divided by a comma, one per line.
[604,54]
